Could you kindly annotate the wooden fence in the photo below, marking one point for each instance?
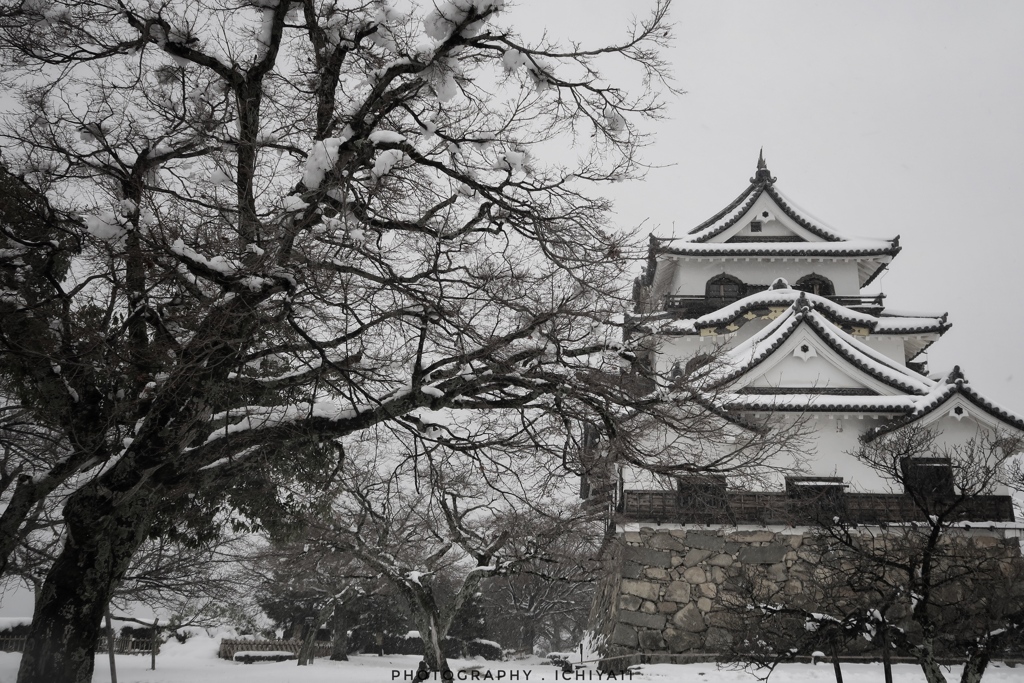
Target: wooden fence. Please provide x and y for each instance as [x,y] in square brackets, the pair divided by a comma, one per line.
[228,647]
[122,646]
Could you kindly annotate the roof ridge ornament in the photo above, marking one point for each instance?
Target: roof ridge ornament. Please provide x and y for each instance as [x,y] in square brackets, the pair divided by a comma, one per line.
[956,377]
[780,283]
[802,304]
[763,175]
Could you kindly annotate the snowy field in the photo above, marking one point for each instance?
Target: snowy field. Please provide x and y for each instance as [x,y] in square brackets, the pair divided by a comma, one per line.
[196,662]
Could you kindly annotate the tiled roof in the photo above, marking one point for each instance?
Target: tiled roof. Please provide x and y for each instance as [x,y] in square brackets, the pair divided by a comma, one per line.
[735,313]
[849,248]
[955,385]
[762,182]
[757,349]
[819,402]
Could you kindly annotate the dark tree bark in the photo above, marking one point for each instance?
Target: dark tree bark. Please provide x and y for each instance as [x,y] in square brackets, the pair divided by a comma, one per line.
[69,613]
[339,633]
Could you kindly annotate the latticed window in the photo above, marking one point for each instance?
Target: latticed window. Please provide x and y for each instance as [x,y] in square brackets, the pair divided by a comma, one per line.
[816,284]
[724,289]
[929,478]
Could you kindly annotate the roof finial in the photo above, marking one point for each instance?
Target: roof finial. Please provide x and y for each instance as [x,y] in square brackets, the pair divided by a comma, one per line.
[763,175]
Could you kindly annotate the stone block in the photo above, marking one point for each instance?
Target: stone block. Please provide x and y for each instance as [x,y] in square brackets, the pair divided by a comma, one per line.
[721,560]
[678,591]
[695,575]
[777,572]
[632,570]
[655,621]
[808,556]
[641,589]
[708,590]
[666,542]
[795,540]
[632,537]
[717,640]
[762,554]
[667,607]
[681,641]
[630,602]
[648,607]
[718,575]
[725,619]
[705,541]
[696,556]
[793,587]
[704,605]
[760,536]
[648,556]
[652,640]
[624,635]
[690,619]
[678,533]
[656,573]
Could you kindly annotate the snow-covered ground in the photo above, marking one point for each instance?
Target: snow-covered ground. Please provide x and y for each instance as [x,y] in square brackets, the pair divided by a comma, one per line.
[196,662]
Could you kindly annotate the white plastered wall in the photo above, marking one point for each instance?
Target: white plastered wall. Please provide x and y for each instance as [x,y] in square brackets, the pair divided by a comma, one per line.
[692,275]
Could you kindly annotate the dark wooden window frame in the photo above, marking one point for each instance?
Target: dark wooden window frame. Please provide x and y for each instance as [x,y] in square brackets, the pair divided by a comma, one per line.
[716,289]
[816,284]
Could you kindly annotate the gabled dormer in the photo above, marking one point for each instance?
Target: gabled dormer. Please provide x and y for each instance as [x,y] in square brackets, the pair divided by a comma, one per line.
[759,236]
[762,214]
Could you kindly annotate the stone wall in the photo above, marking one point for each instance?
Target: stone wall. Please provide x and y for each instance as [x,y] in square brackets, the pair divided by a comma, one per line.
[681,594]
[664,591]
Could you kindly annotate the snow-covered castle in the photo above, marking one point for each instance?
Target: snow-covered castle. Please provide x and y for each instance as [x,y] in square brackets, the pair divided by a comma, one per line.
[776,296]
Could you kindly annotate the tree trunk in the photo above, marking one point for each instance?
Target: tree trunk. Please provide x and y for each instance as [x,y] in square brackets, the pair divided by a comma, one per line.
[110,647]
[303,639]
[835,662]
[886,654]
[339,634]
[528,635]
[430,634]
[101,540]
[974,667]
[306,651]
[154,643]
[926,658]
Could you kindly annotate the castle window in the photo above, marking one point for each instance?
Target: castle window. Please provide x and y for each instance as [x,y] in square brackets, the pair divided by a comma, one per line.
[817,499]
[755,226]
[724,289]
[815,284]
[702,498]
[928,478]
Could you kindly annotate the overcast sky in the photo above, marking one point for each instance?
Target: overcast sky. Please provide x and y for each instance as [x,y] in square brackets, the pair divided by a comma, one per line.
[880,118]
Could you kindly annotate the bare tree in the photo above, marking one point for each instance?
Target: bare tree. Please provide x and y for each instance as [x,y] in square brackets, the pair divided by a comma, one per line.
[260,229]
[436,522]
[547,598]
[926,574]
[304,585]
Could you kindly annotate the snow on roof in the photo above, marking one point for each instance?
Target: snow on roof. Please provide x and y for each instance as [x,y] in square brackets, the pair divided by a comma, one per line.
[868,359]
[859,247]
[954,385]
[762,345]
[818,402]
[761,183]
[736,312]
[11,622]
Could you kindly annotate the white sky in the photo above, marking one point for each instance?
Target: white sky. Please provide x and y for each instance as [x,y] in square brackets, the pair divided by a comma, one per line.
[880,118]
